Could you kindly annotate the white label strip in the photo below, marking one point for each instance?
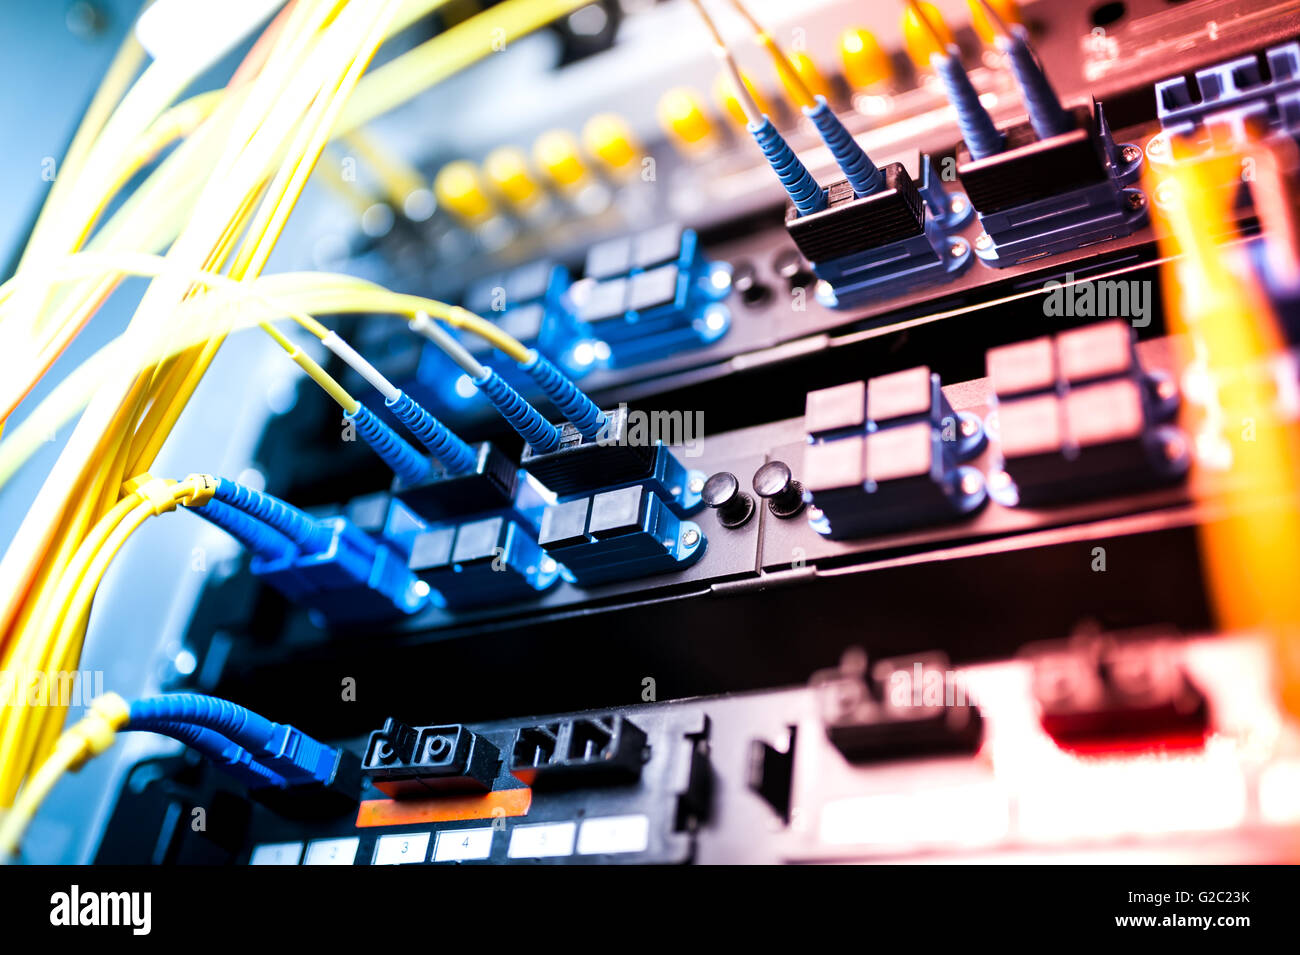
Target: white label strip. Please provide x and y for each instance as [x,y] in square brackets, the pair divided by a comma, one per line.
[614,834]
[544,840]
[403,848]
[276,853]
[458,845]
[332,851]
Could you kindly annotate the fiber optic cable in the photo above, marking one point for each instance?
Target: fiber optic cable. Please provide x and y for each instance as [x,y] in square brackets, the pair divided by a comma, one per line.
[543,436]
[262,753]
[282,103]
[403,184]
[1229,325]
[977,127]
[89,736]
[454,454]
[566,395]
[280,747]
[256,537]
[808,197]
[852,159]
[230,758]
[405,461]
[1046,114]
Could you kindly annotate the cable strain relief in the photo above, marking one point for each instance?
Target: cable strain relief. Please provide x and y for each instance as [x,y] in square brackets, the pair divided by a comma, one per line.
[863,174]
[540,434]
[808,197]
[407,463]
[572,402]
[456,456]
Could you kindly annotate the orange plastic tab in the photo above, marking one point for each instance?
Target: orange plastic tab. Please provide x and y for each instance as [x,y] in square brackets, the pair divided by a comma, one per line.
[408,812]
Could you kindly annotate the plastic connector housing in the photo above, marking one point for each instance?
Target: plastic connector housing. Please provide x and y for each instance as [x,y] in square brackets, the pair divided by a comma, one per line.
[1234,96]
[412,762]
[1078,417]
[650,295]
[353,580]
[619,535]
[868,720]
[880,244]
[485,561]
[589,751]
[489,486]
[1043,196]
[617,458]
[889,453]
[336,793]
[1096,695]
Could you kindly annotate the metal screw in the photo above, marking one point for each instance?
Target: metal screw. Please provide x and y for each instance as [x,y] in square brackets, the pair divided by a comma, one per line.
[1136,200]
[691,537]
[696,485]
[1131,153]
[983,241]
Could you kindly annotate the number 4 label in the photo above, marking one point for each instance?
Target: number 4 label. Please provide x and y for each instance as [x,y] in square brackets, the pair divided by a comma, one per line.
[458,845]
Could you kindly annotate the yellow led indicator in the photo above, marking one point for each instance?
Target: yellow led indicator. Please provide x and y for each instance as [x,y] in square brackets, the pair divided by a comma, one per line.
[556,154]
[979,17]
[459,189]
[865,60]
[506,168]
[684,120]
[918,39]
[609,138]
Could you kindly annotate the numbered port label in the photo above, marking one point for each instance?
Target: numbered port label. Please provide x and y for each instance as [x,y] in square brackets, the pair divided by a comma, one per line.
[277,853]
[614,834]
[332,851]
[459,845]
[543,841]
[402,848]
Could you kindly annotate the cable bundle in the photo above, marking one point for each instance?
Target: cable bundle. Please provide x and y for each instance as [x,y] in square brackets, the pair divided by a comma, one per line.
[201,223]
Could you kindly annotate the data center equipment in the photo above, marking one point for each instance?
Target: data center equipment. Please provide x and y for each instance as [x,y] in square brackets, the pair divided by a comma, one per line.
[530,432]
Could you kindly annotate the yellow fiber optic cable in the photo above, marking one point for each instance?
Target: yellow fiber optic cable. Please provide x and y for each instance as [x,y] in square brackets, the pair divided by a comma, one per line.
[790,77]
[1251,555]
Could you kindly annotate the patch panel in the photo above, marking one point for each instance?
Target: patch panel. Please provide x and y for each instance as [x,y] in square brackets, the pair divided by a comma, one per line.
[1232,95]
[804,500]
[750,520]
[862,763]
